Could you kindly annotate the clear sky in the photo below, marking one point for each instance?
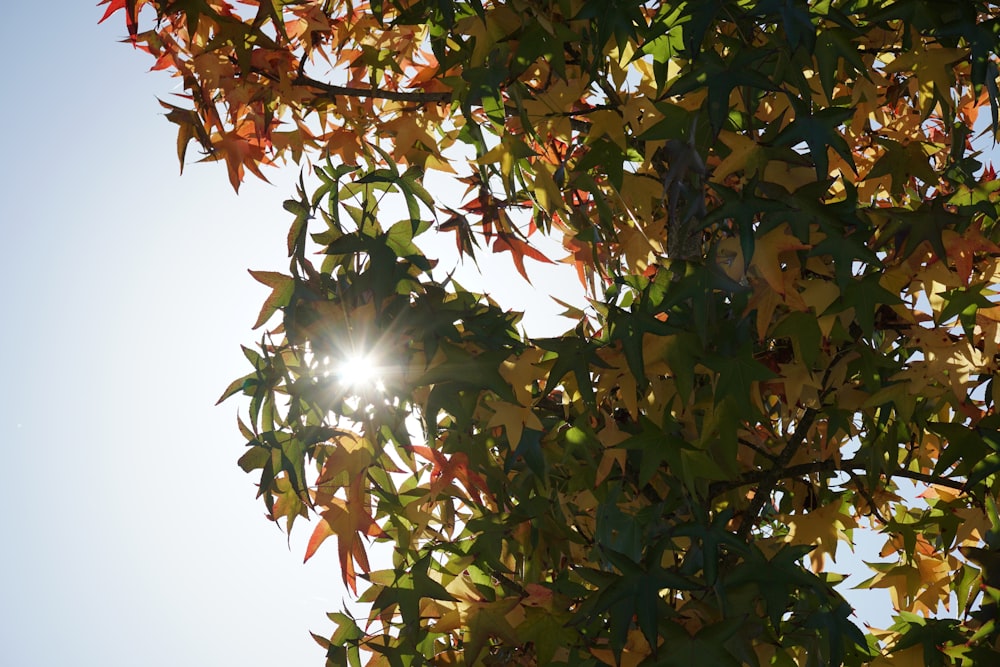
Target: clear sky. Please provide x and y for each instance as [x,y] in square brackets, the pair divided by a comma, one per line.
[130,535]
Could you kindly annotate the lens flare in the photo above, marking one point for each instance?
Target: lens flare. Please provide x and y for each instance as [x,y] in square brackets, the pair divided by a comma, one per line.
[360,372]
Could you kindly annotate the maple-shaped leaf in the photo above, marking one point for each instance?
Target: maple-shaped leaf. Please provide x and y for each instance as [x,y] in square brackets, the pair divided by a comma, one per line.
[485,620]
[282,289]
[823,527]
[240,149]
[514,418]
[454,468]
[576,355]
[738,375]
[720,78]
[189,126]
[902,161]
[909,229]
[819,132]
[934,68]
[548,630]
[465,240]
[834,46]
[962,248]
[518,249]
[776,578]
[767,260]
[349,520]
[745,155]
[866,295]
[707,647]
[131,8]
[965,303]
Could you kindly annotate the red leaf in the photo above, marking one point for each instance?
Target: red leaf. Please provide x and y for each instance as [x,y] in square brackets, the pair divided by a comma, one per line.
[456,468]
[348,520]
[131,8]
[518,250]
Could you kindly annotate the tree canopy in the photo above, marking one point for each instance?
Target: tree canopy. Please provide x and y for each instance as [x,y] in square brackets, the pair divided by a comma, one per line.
[789,244]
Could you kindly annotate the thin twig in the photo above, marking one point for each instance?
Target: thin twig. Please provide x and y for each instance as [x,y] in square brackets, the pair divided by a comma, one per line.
[334,91]
[866,495]
[827,466]
[772,476]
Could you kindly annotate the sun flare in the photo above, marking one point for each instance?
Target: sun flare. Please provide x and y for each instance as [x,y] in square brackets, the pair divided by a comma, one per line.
[360,372]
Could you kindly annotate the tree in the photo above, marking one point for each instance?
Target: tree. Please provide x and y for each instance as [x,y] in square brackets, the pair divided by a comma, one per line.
[791,254]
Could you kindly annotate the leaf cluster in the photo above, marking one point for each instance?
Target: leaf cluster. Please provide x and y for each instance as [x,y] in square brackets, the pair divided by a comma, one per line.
[789,245]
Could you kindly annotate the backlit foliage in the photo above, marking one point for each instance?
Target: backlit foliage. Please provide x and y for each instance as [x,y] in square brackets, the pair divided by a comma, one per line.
[789,243]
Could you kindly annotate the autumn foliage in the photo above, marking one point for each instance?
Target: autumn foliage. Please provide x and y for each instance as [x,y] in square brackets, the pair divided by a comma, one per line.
[788,238]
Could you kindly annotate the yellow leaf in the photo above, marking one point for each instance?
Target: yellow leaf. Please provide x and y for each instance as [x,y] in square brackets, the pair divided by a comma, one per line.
[607,123]
[745,155]
[818,295]
[934,70]
[547,193]
[790,177]
[823,527]
[608,459]
[729,257]
[513,418]
[521,373]
[769,254]
[799,380]
[636,650]
[484,620]
[908,657]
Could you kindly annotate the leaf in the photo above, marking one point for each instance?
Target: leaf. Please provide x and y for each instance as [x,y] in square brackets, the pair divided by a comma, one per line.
[484,620]
[348,520]
[745,155]
[189,127]
[933,68]
[818,131]
[737,377]
[548,632]
[513,419]
[768,250]
[454,468]
[131,8]
[239,151]
[822,528]
[282,289]
[865,295]
[518,250]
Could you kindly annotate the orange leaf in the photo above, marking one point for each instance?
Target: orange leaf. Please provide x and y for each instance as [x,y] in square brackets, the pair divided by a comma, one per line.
[239,152]
[518,251]
[963,247]
[348,520]
[455,468]
[131,8]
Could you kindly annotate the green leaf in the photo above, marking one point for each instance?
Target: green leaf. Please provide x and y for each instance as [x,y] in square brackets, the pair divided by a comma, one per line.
[865,295]
[282,288]
[818,130]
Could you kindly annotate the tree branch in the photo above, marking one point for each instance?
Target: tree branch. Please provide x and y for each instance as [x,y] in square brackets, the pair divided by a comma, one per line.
[333,92]
[771,477]
[828,466]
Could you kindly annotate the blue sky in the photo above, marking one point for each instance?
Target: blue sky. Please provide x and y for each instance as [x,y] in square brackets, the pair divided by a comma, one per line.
[130,535]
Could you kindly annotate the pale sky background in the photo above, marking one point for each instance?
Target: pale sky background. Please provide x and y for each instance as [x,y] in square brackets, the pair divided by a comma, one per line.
[131,536]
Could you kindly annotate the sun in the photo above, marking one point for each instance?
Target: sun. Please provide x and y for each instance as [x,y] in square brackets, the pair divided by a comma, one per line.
[360,372]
